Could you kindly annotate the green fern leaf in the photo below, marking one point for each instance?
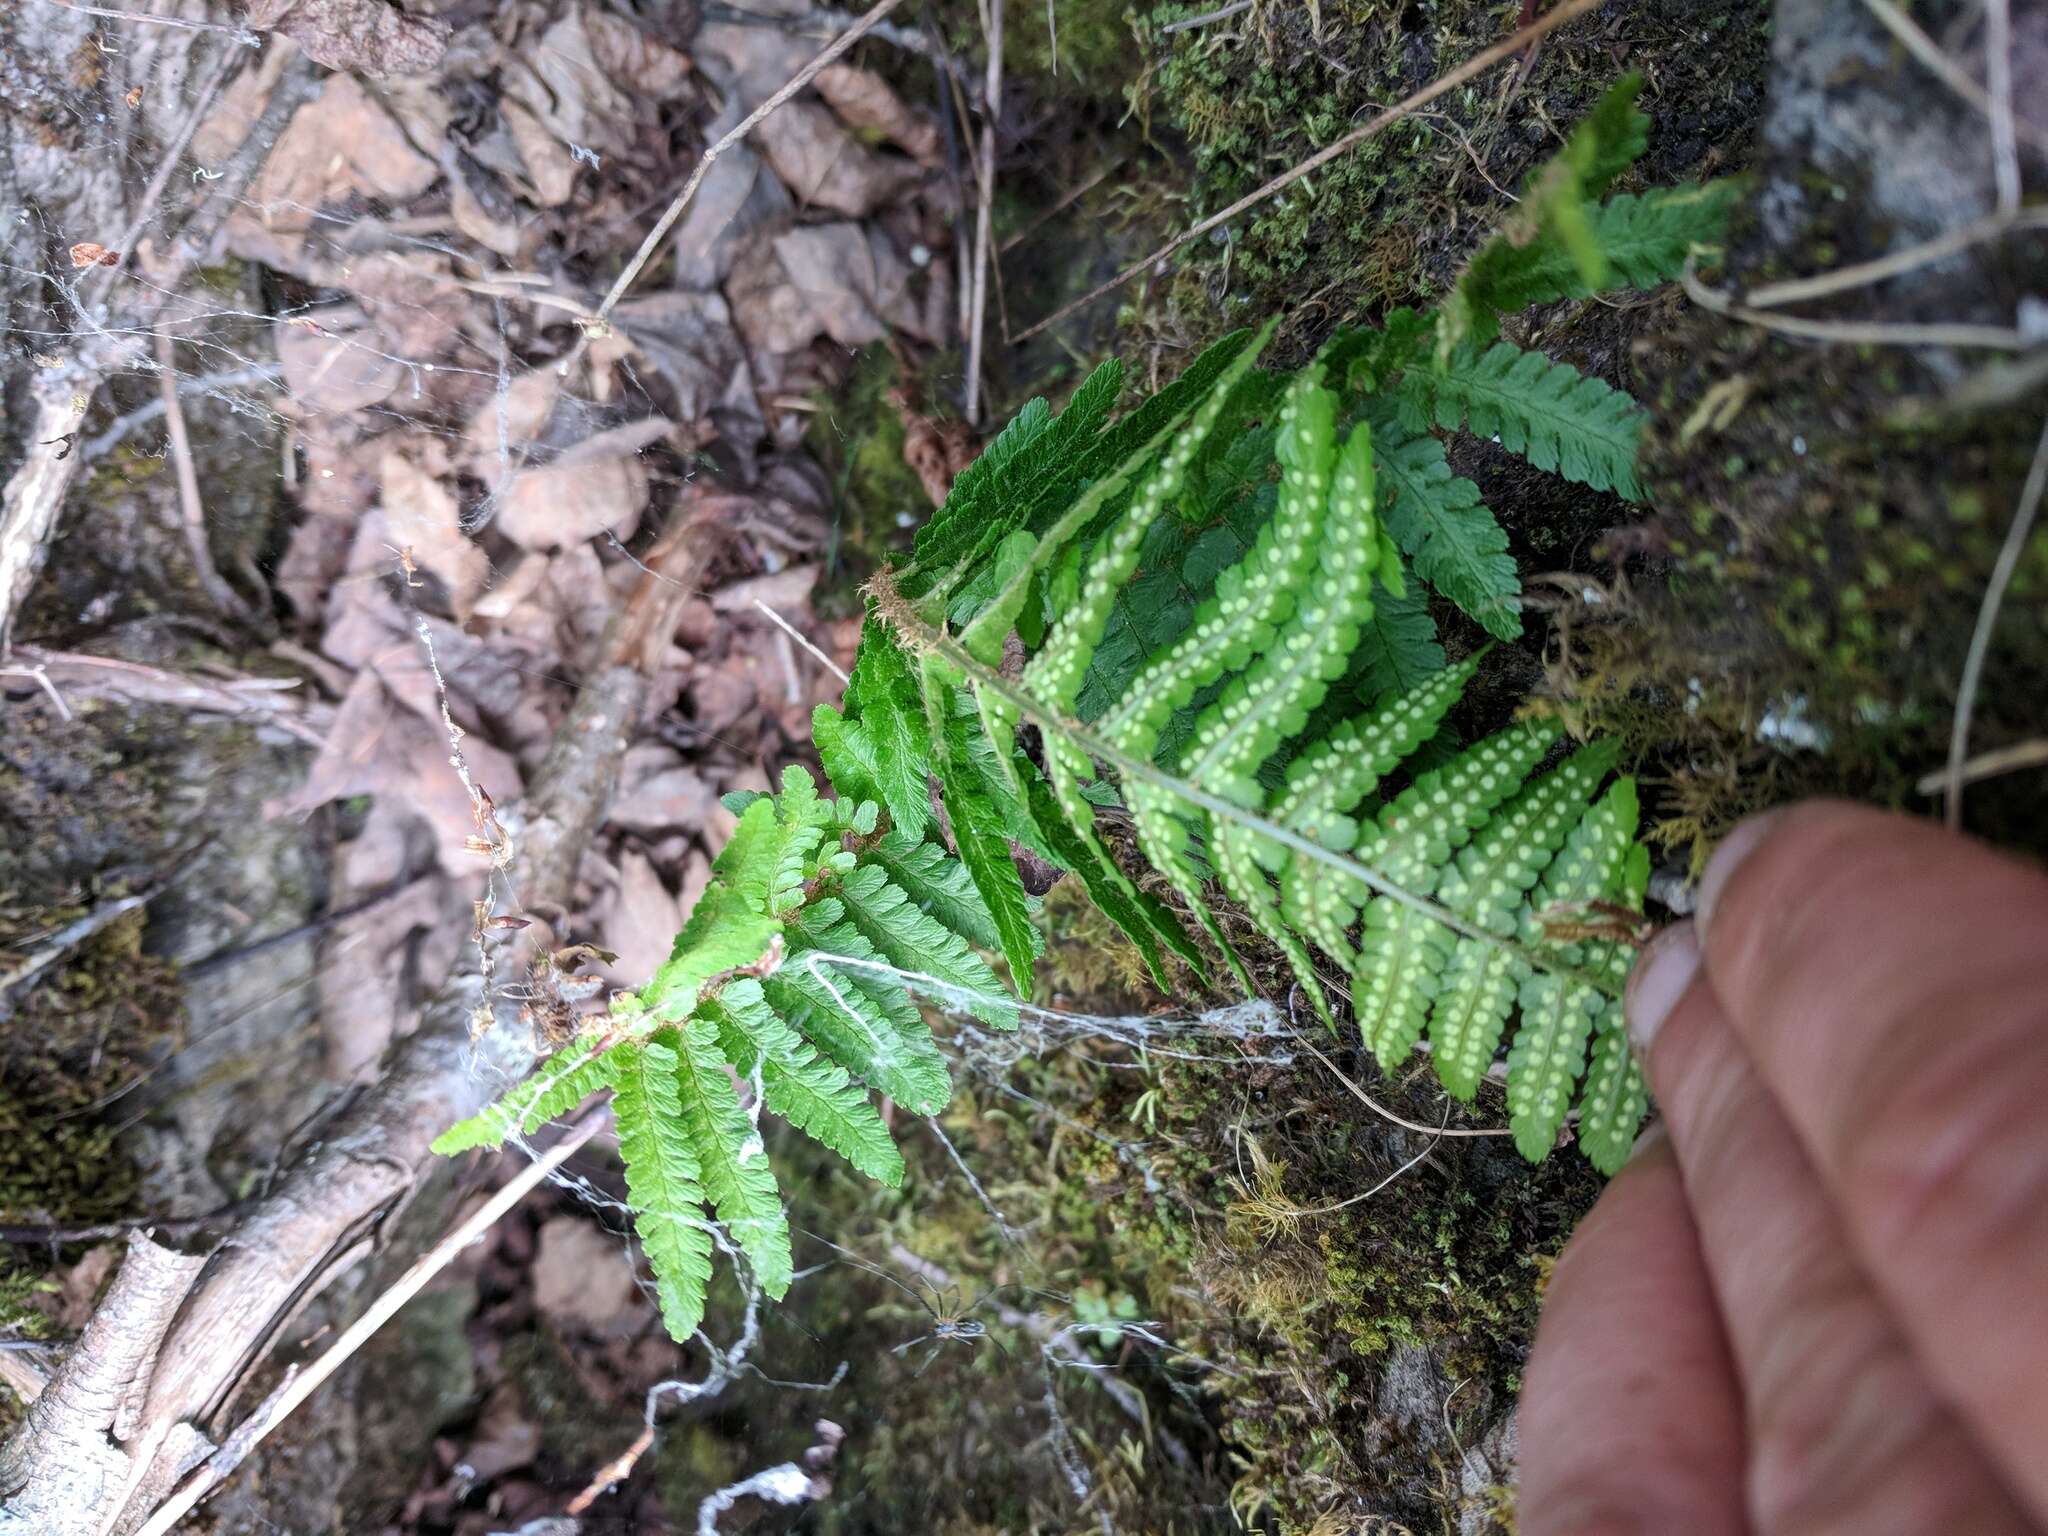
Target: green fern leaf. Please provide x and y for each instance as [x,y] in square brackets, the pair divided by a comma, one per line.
[663,1180]
[939,885]
[812,1094]
[1457,544]
[1615,1097]
[1401,953]
[1550,413]
[1257,593]
[1055,674]
[1549,1051]
[731,1157]
[980,834]
[723,934]
[1550,224]
[896,756]
[912,941]
[1487,886]
[861,1018]
[568,1077]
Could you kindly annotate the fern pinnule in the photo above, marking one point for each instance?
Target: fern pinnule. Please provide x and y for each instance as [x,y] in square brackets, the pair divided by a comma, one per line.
[816,1096]
[663,1180]
[1548,1053]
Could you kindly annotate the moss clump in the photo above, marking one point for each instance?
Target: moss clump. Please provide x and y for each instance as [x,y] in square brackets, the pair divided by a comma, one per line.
[1393,220]
[84,1028]
[857,435]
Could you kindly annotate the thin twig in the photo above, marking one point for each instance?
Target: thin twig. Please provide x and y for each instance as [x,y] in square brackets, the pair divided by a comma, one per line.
[1989,765]
[1436,1136]
[1222,13]
[2005,152]
[746,125]
[242,35]
[408,1285]
[1380,1109]
[1876,333]
[1478,64]
[211,582]
[615,1471]
[791,630]
[1067,200]
[1950,73]
[1987,620]
[992,109]
[1863,273]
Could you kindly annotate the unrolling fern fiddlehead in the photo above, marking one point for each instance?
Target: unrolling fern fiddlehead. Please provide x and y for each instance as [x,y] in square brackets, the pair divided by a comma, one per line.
[1221,599]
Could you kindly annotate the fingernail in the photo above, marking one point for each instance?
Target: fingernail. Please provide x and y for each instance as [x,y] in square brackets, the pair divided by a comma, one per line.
[1654,1136]
[1659,980]
[1728,857]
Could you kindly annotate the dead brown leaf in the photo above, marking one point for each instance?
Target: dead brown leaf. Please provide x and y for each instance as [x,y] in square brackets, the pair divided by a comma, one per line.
[367,37]
[864,100]
[424,519]
[658,792]
[334,365]
[842,280]
[341,142]
[599,485]
[583,1277]
[631,55]
[642,924]
[824,166]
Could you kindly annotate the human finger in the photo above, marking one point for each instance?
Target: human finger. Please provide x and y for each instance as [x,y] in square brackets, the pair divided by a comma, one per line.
[1890,983]
[1845,1431]
[1630,1418]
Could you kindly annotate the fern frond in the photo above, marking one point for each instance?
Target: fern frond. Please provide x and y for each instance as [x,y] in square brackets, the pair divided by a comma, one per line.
[664,1180]
[861,1018]
[1549,1050]
[1401,953]
[565,1080]
[1456,543]
[731,1157]
[908,939]
[1554,416]
[1615,1097]
[812,1094]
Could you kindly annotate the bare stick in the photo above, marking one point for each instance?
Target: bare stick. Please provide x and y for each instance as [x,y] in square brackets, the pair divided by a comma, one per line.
[791,630]
[992,29]
[1221,13]
[1380,1109]
[2005,152]
[1989,765]
[211,582]
[1950,73]
[1478,64]
[1876,333]
[1863,273]
[732,136]
[279,1407]
[1987,621]
[615,1471]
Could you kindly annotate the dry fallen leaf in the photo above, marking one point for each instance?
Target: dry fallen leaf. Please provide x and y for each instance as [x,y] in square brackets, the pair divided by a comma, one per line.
[824,166]
[366,37]
[425,520]
[87,254]
[582,1276]
[863,99]
[336,364]
[642,924]
[596,486]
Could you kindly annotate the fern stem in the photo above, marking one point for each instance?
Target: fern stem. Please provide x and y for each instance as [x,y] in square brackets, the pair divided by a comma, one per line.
[922,637]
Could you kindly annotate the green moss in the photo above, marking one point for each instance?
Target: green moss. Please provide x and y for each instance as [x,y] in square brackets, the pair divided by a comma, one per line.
[857,435]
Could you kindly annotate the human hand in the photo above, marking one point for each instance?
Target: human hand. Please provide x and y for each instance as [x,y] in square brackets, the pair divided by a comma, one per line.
[1816,1298]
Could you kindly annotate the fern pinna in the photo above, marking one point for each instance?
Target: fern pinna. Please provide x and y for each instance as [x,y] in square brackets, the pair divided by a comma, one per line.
[786,984]
[1211,618]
